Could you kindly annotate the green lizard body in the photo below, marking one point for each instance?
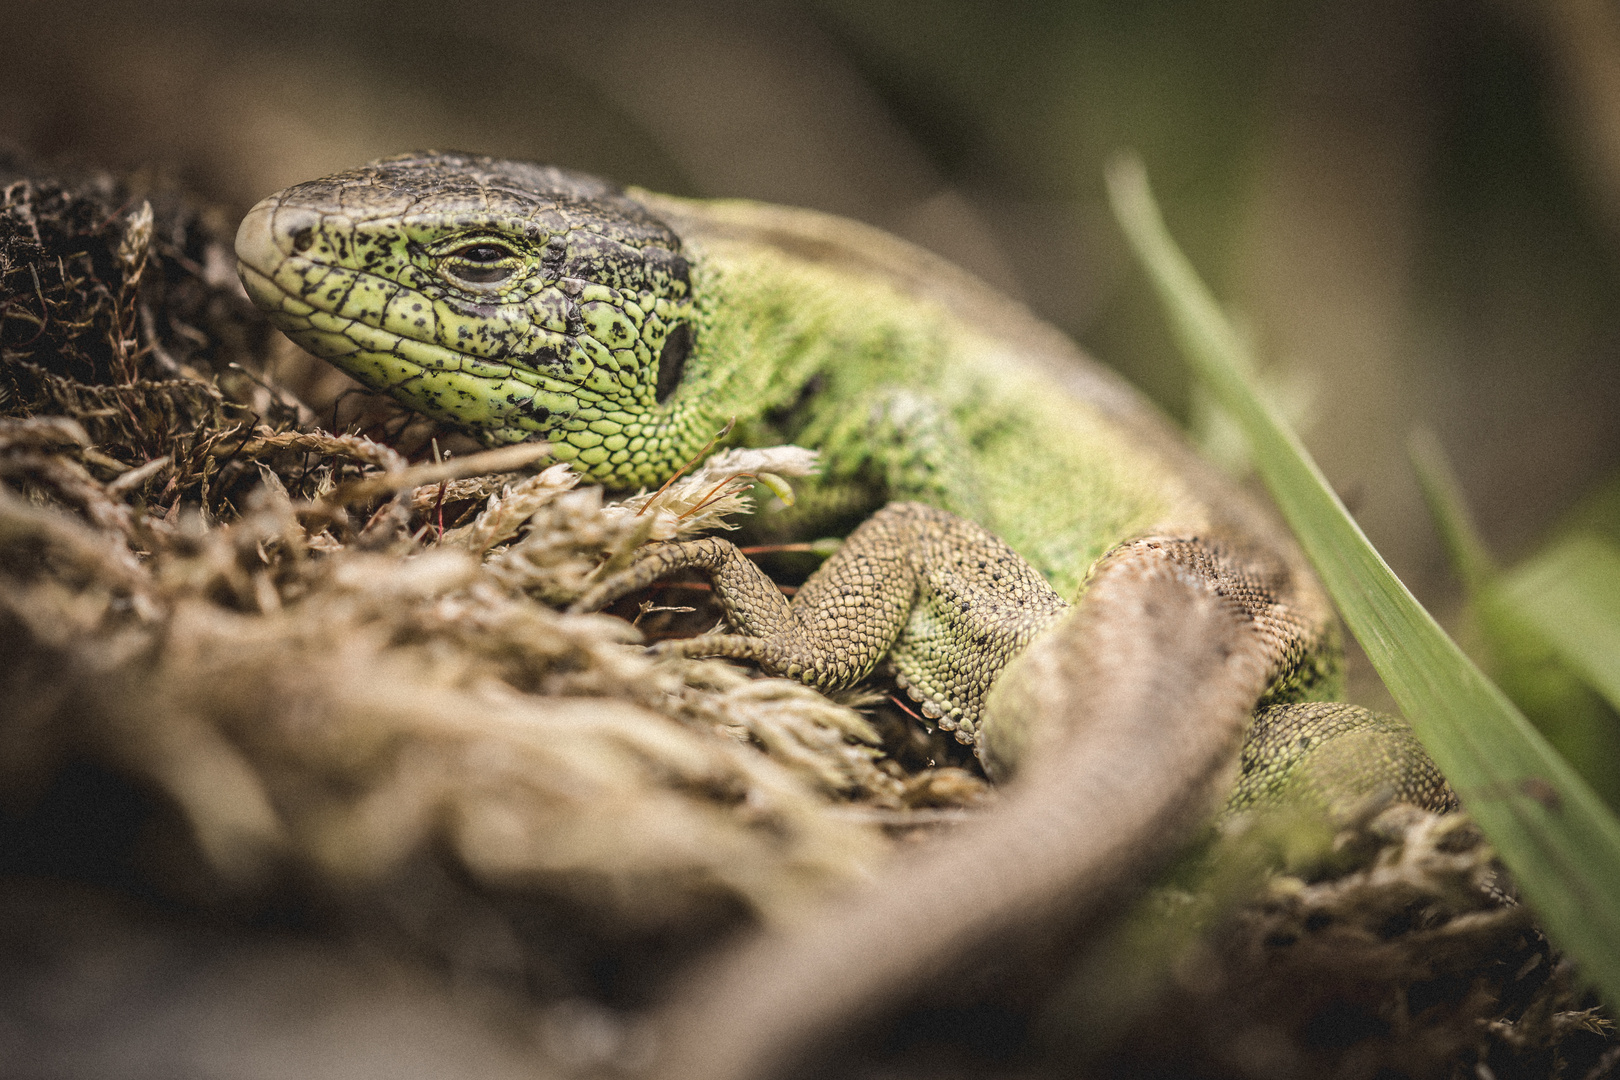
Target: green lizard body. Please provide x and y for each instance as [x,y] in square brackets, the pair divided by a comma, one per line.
[519,302]
[912,399]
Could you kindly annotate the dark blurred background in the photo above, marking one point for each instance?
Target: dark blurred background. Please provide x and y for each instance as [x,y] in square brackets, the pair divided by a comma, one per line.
[1414,208]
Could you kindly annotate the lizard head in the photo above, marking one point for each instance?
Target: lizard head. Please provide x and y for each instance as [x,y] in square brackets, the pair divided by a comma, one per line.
[513,300]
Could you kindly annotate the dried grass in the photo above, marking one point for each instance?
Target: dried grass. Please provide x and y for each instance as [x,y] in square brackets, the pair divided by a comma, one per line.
[271,626]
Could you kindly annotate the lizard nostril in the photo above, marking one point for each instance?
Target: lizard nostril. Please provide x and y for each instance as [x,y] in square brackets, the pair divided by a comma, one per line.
[292,227]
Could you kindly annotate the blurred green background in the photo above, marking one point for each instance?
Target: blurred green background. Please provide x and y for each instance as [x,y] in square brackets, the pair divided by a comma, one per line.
[1414,208]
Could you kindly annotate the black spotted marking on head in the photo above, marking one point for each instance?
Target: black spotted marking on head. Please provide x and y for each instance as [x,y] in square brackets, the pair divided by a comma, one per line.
[452,184]
[588,228]
[593,257]
[303,239]
[672,360]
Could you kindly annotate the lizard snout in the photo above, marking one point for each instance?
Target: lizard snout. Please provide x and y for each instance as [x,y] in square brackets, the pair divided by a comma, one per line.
[270,232]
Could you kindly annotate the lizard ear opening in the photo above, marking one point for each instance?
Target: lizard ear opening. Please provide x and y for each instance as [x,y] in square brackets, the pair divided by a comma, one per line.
[672,360]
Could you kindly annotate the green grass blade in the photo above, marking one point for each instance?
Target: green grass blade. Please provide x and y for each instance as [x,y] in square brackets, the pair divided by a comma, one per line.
[1561,843]
[1449,509]
[1571,593]
[1547,631]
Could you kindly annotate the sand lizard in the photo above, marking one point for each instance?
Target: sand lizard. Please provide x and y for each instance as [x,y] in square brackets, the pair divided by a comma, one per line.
[1002,475]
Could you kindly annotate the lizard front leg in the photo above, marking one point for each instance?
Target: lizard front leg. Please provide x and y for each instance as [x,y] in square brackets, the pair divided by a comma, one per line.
[843,621]
[946,601]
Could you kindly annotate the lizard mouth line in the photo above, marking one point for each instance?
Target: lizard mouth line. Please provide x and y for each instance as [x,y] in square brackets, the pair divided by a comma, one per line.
[265,244]
[297,316]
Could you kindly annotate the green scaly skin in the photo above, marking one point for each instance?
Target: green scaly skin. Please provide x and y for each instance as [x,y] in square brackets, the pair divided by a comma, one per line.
[518,301]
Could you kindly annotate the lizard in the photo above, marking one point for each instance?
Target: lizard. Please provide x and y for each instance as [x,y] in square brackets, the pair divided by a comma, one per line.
[1113,624]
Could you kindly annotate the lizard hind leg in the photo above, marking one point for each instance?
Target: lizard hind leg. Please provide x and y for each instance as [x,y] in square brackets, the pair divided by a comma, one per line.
[978,606]
[1334,758]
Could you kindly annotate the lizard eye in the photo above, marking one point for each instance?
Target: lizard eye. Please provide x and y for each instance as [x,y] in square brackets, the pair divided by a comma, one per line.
[483,253]
[481,263]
